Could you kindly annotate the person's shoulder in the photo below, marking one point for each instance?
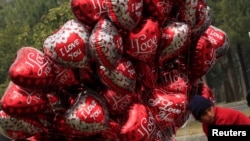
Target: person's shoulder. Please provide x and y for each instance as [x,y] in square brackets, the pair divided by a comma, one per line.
[220,108]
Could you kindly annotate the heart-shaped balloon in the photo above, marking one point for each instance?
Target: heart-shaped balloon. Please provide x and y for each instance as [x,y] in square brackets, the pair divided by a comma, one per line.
[166,107]
[16,128]
[117,102]
[174,81]
[121,79]
[140,124]
[202,58]
[147,73]
[68,46]
[31,68]
[203,21]
[159,9]
[175,39]
[218,39]
[65,77]
[89,114]
[190,11]
[105,43]
[17,100]
[88,11]
[143,42]
[126,14]
[203,89]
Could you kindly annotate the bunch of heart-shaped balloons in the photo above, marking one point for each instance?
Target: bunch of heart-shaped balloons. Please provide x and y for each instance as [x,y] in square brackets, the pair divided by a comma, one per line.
[121,70]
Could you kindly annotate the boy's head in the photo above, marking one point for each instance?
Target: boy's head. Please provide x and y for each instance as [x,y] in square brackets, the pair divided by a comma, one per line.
[198,105]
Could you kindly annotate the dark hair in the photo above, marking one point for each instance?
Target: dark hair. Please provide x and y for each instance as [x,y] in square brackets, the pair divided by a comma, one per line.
[198,105]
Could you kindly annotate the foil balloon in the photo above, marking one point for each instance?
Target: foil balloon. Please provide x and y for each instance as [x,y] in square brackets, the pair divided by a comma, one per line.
[105,42]
[88,11]
[68,46]
[191,12]
[117,102]
[204,19]
[218,39]
[140,124]
[125,13]
[174,81]
[159,9]
[166,107]
[31,68]
[175,39]
[121,79]
[17,100]
[89,114]
[204,90]
[89,79]
[202,59]
[147,73]
[65,77]
[182,121]
[15,128]
[142,43]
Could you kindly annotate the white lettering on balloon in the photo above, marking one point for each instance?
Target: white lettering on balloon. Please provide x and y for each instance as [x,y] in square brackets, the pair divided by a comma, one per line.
[68,49]
[99,6]
[147,126]
[39,61]
[144,46]
[31,96]
[64,76]
[165,108]
[89,109]
[214,36]
[119,101]
[172,78]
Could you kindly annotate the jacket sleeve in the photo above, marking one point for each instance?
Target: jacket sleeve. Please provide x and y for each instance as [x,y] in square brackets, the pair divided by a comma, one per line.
[205,129]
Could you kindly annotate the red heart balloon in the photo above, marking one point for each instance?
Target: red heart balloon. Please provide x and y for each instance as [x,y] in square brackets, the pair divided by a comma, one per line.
[68,46]
[17,100]
[203,20]
[122,79]
[88,11]
[65,77]
[31,68]
[15,127]
[174,81]
[142,43]
[203,89]
[126,14]
[191,12]
[106,44]
[158,9]
[140,124]
[202,58]
[218,39]
[117,102]
[175,39]
[89,114]
[166,107]
[147,73]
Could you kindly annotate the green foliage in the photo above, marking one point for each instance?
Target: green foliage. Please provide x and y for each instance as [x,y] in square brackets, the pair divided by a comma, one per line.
[27,23]
[232,17]
[3,87]
[51,22]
